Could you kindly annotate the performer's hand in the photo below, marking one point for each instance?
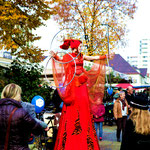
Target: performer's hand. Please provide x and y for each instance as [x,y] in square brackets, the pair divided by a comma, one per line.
[111,55]
[96,116]
[53,54]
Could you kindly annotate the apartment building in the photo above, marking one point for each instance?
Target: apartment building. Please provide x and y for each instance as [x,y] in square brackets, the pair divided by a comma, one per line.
[142,58]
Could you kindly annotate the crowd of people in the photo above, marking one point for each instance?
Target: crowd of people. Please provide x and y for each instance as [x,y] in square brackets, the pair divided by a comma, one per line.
[122,109]
[131,112]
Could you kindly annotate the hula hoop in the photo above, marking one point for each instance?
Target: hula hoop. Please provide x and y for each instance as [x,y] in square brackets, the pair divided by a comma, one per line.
[73,59]
[61,63]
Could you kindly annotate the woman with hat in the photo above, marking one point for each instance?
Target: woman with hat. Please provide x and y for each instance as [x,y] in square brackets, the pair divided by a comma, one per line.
[76,128]
[137,131]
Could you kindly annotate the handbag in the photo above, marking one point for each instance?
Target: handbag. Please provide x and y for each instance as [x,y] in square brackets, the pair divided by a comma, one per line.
[8,129]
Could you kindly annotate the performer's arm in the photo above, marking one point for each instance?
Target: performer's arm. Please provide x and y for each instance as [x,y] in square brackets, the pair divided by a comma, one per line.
[98,57]
[55,55]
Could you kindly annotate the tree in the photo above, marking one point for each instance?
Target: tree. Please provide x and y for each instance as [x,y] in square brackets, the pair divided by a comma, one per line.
[2,77]
[18,18]
[95,19]
[27,76]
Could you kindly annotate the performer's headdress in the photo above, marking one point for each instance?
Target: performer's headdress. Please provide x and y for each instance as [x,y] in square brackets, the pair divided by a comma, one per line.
[72,43]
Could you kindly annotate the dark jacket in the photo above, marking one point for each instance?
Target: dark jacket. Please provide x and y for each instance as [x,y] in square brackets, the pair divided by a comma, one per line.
[22,124]
[131,140]
[31,110]
[129,98]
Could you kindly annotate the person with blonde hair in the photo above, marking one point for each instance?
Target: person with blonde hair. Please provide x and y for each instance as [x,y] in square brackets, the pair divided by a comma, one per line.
[16,135]
[12,91]
[137,131]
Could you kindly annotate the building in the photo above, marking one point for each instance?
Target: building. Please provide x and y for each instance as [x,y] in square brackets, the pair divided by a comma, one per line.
[144,53]
[142,58]
[133,60]
[5,59]
[138,76]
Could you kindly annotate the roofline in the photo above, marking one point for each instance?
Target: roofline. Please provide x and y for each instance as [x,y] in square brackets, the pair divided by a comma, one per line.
[132,73]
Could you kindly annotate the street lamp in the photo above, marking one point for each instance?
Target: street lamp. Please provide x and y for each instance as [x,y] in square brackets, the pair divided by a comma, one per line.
[107,34]
[107,25]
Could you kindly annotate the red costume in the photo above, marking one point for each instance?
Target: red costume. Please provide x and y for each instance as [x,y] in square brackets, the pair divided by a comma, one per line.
[76,128]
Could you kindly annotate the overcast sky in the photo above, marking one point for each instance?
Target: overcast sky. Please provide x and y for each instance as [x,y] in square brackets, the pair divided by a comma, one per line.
[139,28]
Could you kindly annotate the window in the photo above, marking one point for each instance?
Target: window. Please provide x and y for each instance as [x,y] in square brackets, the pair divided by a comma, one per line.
[134,80]
[145,56]
[145,61]
[145,52]
[144,43]
[144,64]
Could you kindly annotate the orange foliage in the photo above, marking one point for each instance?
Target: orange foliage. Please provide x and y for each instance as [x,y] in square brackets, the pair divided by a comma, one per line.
[92,18]
[17,20]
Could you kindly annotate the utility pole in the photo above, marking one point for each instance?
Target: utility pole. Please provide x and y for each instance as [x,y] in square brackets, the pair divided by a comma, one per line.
[107,25]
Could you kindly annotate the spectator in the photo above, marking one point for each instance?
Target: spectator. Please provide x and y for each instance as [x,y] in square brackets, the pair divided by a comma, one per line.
[129,94]
[119,90]
[129,97]
[145,94]
[31,110]
[120,113]
[21,125]
[116,96]
[57,101]
[137,131]
[98,114]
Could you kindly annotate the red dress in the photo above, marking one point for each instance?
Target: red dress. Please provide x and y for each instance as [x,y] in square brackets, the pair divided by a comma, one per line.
[76,128]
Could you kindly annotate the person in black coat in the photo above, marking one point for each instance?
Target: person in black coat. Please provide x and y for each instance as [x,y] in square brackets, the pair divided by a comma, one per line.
[22,124]
[129,94]
[137,131]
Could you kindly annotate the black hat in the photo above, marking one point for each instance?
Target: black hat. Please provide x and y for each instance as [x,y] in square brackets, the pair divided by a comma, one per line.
[140,102]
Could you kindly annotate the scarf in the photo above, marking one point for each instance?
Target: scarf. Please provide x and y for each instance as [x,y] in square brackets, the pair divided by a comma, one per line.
[123,103]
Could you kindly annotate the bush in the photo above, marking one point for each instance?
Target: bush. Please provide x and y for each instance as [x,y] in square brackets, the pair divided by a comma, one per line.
[27,76]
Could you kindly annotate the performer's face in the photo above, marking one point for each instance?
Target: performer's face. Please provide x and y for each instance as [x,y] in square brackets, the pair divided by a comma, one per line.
[79,47]
[77,50]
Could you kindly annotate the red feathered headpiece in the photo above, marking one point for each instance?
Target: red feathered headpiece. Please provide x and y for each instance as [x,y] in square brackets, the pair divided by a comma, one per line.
[72,43]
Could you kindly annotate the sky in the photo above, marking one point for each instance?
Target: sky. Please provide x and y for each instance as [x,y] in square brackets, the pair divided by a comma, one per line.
[139,28]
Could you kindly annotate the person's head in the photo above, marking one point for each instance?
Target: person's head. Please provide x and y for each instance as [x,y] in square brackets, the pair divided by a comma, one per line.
[116,96]
[99,101]
[12,91]
[140,115]
[129,90]
[122,95]
[75,45]
[120,89]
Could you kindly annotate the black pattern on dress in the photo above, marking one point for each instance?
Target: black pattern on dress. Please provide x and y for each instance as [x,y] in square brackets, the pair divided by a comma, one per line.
[77,125]
[64,138]
[89,140]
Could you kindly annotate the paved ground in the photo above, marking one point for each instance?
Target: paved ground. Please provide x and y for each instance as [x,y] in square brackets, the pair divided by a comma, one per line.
[109,141]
